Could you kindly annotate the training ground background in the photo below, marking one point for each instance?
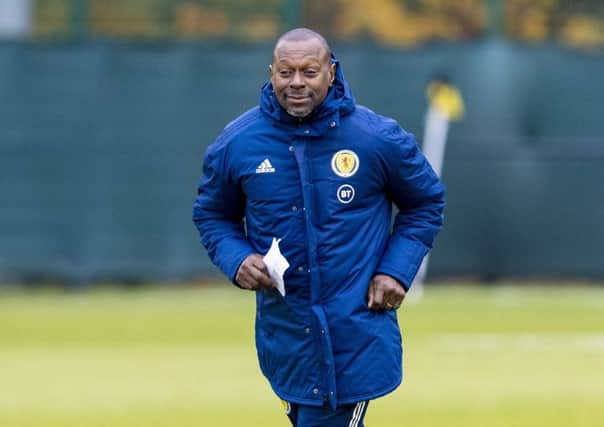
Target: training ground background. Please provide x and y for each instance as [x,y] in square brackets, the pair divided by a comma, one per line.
[475,356]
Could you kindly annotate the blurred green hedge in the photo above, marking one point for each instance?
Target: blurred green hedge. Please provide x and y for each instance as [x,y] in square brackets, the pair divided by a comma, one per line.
[406,23]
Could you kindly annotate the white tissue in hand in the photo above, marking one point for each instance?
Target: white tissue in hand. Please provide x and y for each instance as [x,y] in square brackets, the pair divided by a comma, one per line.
[276,265]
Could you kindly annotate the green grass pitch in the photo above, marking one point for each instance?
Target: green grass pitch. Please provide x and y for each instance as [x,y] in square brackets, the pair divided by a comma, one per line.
[474,357]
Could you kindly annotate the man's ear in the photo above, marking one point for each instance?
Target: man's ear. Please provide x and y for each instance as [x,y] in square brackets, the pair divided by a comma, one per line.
[332,73]
[270,69]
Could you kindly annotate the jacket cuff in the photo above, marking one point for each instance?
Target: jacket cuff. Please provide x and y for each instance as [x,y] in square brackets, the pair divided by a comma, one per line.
[402,260]
[230,265]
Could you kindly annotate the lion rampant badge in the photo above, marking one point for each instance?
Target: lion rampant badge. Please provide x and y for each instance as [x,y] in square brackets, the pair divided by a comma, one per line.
[345,163]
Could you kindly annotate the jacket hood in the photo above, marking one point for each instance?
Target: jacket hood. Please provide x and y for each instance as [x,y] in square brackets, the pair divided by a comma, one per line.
[338,102]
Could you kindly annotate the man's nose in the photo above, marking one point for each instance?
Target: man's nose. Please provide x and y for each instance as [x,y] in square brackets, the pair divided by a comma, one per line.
[297,80]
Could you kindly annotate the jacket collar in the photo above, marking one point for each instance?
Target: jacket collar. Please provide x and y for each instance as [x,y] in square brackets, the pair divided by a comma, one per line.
[338,102]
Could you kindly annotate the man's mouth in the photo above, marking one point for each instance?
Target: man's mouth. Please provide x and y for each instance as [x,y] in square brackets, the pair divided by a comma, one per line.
[297,97]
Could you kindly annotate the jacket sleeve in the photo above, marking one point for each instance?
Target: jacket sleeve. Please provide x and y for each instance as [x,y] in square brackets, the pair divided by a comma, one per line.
[419,196]
[218,213]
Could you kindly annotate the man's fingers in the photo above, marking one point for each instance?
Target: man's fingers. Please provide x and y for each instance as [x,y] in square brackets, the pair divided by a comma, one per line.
[391,301]
[385,293]
[378,297]
[242,277]
[253,274]
[260,276]
[394,295]
[370,294]
[245,278]
[259,265]
[264,279]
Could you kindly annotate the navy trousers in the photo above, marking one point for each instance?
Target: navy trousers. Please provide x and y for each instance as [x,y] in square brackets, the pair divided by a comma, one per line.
[323,416]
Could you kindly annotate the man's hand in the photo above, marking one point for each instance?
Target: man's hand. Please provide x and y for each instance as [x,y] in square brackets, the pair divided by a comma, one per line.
[253,274]
[385,293]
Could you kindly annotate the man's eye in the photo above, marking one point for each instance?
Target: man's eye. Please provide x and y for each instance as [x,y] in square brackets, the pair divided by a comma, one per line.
[310,72]
[284,73]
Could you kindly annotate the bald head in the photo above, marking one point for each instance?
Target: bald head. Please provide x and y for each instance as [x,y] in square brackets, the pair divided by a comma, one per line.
[303,34]
[302,72]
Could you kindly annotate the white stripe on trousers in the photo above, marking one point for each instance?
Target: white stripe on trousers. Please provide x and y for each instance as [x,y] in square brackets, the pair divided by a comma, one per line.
[357,414]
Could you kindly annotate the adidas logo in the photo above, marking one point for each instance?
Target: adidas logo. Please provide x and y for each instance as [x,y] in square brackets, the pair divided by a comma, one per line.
[265,167]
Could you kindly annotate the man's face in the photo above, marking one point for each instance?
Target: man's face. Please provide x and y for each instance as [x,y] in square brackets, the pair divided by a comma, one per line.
[301,74]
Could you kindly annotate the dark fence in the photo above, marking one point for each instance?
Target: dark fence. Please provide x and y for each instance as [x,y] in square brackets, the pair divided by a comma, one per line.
[101,147]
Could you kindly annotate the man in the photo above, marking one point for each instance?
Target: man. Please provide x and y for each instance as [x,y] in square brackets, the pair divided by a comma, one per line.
[310,167]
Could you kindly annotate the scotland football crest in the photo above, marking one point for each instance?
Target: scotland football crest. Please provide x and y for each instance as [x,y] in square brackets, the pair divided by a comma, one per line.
[345,163]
